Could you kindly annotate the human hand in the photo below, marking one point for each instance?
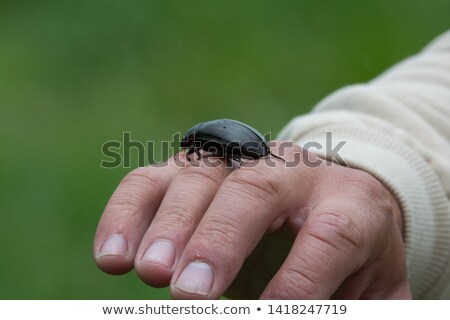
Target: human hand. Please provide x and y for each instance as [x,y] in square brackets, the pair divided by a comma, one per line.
[194,226]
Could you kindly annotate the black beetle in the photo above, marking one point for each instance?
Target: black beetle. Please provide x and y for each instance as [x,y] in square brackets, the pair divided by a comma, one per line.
[226,138]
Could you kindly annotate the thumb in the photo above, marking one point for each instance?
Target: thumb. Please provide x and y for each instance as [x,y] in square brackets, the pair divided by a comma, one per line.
[325,252]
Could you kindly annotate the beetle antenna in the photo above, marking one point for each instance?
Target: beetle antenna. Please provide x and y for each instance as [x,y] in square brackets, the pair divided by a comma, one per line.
[268,151]
[277,156]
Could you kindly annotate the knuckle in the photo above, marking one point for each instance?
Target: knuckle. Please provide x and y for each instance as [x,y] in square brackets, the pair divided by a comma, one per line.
[205,175]
[142,177]
[337,230]
[218,237]
[221,231]
[181,215]
[366,189]
[301,277]
[122,206]
[365,184]
[131,192]
[264,185]
[297,282]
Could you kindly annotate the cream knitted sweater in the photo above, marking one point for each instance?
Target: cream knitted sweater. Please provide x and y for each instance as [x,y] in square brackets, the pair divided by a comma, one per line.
[397,128]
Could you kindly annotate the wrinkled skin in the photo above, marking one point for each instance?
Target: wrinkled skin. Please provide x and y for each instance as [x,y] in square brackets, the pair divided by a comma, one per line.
[259,232]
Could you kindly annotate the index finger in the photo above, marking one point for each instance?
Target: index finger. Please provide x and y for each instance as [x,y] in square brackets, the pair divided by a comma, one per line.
[128,215]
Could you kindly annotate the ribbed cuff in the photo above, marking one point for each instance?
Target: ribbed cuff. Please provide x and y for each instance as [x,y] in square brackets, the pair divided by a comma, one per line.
[425,207]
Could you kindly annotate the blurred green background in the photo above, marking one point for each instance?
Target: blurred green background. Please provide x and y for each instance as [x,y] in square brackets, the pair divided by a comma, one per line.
[75,74]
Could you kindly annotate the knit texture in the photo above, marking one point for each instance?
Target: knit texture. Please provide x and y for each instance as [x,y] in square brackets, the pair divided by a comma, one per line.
[397,128]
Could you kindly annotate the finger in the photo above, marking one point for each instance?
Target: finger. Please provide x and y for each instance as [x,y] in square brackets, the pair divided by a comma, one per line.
[402,292]
[128,214]
[372,281]
[366,285]
[247,203]
[326,251]
[348,241]
[184,204]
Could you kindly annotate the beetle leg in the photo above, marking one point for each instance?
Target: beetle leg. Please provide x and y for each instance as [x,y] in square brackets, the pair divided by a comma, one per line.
[213,155]
[197,151]
[238,160]
[189,152]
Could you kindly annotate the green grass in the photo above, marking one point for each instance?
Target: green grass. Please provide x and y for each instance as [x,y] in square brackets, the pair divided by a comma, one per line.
[76,74]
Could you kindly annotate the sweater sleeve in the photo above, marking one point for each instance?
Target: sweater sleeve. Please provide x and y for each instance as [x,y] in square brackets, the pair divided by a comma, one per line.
[397,128]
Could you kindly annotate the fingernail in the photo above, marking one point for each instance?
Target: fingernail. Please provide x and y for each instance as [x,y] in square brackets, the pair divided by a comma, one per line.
[197,277]
[160,252]
[116,245]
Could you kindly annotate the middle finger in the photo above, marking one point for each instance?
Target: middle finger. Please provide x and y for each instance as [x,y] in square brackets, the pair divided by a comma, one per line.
[183,206]
[246,204]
